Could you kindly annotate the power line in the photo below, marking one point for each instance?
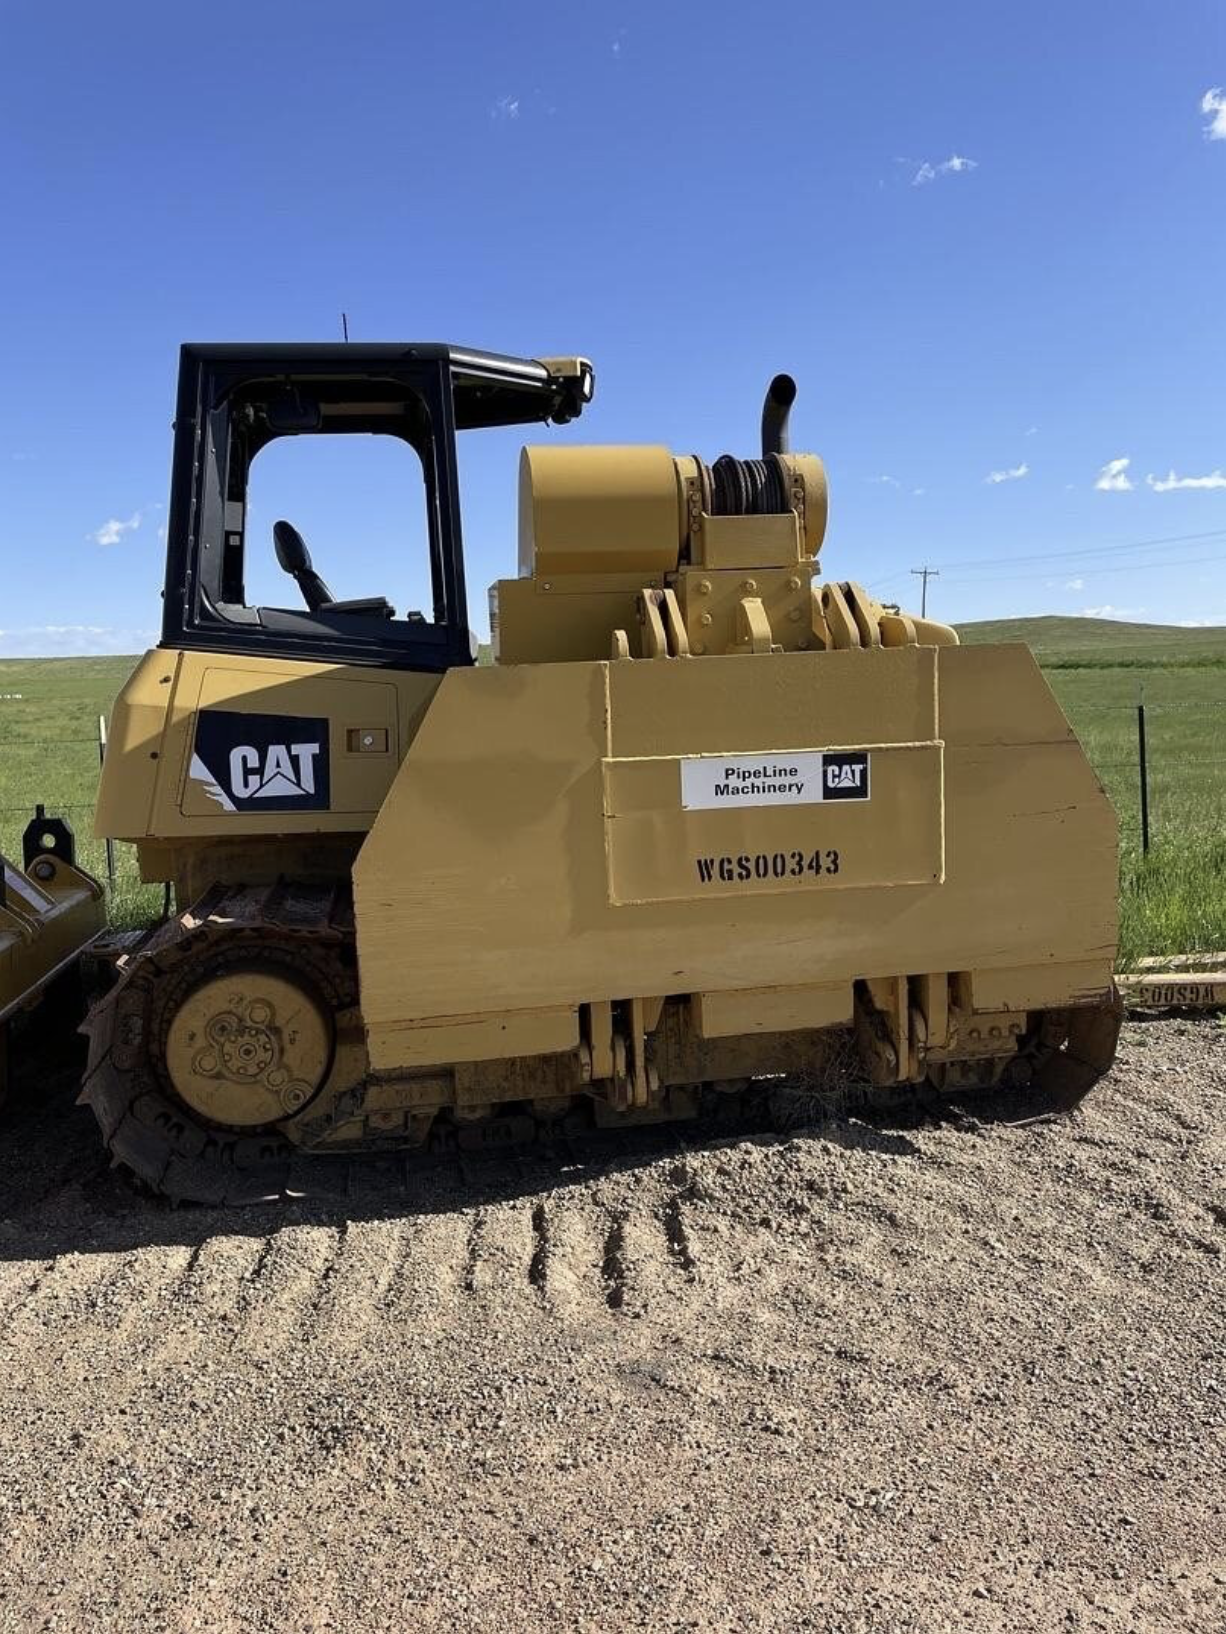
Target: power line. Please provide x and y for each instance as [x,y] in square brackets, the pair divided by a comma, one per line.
[990,565]
[1095,570]
[1088,550]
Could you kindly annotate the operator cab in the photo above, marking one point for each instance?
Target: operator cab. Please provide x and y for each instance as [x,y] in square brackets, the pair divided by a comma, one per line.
[234,401]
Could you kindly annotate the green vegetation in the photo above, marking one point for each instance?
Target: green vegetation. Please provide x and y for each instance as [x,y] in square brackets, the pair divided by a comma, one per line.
[1065,643]
[49,709]
[1173,901]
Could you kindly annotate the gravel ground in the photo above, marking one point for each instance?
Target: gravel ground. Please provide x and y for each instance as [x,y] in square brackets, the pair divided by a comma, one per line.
[876,1376]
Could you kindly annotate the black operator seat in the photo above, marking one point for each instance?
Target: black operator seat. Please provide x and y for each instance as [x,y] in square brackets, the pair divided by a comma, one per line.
[295,559]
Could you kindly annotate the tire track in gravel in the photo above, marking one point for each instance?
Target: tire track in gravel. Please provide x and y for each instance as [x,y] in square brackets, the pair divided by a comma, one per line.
[118,1298]
[205,1301]
[647,1263]
[425,1287]
[143,1297]
[55,1293]
[505,1264]
[565,1265]
[353,1297]
[279,1304]
[591,1256]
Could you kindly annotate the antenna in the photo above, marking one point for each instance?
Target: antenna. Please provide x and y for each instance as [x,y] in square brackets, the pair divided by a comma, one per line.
[345,326]
[925,573]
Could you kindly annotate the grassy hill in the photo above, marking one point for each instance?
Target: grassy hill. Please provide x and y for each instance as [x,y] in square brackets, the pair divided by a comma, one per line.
[1090,642]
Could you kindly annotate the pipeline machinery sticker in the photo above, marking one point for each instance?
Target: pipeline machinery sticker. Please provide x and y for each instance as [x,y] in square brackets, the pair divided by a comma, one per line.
[262,762]
[801,778]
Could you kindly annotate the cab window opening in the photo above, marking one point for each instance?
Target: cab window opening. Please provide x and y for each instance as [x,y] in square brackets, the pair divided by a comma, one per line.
[336,519]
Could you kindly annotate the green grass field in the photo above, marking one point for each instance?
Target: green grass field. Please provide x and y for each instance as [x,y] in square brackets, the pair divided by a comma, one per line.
[1173,901]
[49,709]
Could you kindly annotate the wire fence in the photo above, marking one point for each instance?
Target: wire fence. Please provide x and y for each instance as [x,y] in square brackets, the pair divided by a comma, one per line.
[60,775]
[1163,764]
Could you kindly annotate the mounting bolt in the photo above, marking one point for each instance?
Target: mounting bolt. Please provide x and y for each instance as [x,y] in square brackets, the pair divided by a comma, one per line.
[698,647]
[704,587]
[749,584]
[794,615]
[704,618]
[793,583]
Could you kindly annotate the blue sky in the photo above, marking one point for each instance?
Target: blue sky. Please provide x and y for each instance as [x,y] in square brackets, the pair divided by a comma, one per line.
[986,240]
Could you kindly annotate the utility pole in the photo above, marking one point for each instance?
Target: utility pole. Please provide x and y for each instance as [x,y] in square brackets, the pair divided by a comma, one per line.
[925,573]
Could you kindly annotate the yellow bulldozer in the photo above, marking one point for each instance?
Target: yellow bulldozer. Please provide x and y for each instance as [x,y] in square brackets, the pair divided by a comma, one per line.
[704,820]
[50,912]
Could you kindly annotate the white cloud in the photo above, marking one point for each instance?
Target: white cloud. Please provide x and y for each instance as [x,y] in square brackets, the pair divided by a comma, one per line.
[110,533]
[1075,584]
[919,492]
[1163,485]
[889,482]
[955,165]
[506,107]
[1108,611]
[1202,623]
[1213,103]
[72,640]
[1011,475]
[1114,478]
[1031,431]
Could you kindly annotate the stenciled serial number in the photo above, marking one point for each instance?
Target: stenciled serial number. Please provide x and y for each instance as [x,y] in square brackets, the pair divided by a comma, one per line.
[1171,995]
[761,865]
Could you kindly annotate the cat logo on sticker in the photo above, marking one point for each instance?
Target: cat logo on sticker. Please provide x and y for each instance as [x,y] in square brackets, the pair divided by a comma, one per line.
[262,762]
[845,776]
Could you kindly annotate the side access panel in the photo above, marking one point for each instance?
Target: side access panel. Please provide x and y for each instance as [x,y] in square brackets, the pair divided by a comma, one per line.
[209,746]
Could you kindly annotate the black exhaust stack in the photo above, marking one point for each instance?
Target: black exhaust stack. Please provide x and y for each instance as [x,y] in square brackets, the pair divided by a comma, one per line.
[780,395]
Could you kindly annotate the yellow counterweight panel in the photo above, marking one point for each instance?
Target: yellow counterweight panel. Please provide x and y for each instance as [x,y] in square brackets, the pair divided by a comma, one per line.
[484,884]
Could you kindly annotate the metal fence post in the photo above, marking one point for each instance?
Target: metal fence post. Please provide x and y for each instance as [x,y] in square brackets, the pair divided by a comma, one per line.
[110,844]
[1144,770]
